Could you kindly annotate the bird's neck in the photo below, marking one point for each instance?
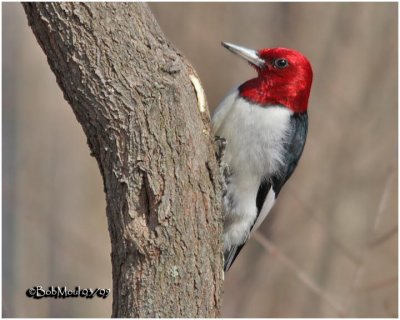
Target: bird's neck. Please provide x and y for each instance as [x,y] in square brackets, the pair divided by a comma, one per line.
[264,92]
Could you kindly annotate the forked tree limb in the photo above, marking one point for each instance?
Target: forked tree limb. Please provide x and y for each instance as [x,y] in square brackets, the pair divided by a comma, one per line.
[150,133]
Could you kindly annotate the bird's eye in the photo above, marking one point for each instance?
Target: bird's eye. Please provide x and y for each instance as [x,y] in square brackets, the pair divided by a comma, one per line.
[281,63]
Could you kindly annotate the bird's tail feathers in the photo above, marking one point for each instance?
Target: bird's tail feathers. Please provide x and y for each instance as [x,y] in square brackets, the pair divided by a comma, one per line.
[230,256]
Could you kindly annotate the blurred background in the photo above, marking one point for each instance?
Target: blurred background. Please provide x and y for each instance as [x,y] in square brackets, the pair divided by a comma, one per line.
[329,246]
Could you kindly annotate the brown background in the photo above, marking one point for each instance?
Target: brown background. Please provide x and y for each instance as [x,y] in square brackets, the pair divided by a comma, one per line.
[329,246]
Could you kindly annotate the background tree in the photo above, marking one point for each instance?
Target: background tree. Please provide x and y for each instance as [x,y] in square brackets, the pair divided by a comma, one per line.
[328,247]
[143,111]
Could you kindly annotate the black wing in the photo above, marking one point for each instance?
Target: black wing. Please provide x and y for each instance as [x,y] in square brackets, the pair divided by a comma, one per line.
[293,150]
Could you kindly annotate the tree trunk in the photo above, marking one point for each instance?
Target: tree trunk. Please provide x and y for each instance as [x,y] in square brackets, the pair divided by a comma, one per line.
[143,111]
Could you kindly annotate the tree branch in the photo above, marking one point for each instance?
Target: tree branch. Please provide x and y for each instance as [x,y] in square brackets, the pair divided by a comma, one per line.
[131,92]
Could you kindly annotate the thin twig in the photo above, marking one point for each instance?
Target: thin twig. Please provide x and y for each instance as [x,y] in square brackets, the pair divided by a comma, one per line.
[379,240]
[309,211]
[378,285]
[381,209]
[303,277]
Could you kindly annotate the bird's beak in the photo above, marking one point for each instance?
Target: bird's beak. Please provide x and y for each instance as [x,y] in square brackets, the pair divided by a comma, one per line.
[247,54]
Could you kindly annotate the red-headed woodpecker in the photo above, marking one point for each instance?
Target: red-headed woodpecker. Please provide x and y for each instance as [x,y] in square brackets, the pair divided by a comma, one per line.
[264,122]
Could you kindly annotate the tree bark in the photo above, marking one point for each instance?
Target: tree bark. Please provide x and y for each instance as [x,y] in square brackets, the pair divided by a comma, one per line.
[148,127]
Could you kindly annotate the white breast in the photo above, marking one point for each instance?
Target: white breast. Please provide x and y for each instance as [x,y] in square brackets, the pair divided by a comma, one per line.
[254,151]
[254,134]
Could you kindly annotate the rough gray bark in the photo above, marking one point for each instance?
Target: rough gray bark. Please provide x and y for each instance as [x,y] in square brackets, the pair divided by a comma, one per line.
[131,92]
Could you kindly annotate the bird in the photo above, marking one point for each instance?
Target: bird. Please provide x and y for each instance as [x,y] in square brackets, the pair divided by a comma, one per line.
[264,124]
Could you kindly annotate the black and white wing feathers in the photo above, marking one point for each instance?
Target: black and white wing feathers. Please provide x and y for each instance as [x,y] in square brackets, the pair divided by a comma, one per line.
[271,186]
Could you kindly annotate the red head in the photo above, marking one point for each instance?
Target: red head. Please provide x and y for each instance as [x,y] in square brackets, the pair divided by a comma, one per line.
[284,77]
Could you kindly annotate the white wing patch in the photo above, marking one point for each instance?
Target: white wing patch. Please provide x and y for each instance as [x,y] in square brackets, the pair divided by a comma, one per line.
[266,208]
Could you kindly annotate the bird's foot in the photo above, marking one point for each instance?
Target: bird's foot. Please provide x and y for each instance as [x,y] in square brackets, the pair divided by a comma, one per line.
[221,146]
[223,166]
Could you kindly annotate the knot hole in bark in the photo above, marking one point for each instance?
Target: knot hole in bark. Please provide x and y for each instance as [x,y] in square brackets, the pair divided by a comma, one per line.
[149,202]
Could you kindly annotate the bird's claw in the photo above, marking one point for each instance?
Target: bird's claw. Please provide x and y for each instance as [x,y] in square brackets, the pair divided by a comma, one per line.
[220,143]
[223,166]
